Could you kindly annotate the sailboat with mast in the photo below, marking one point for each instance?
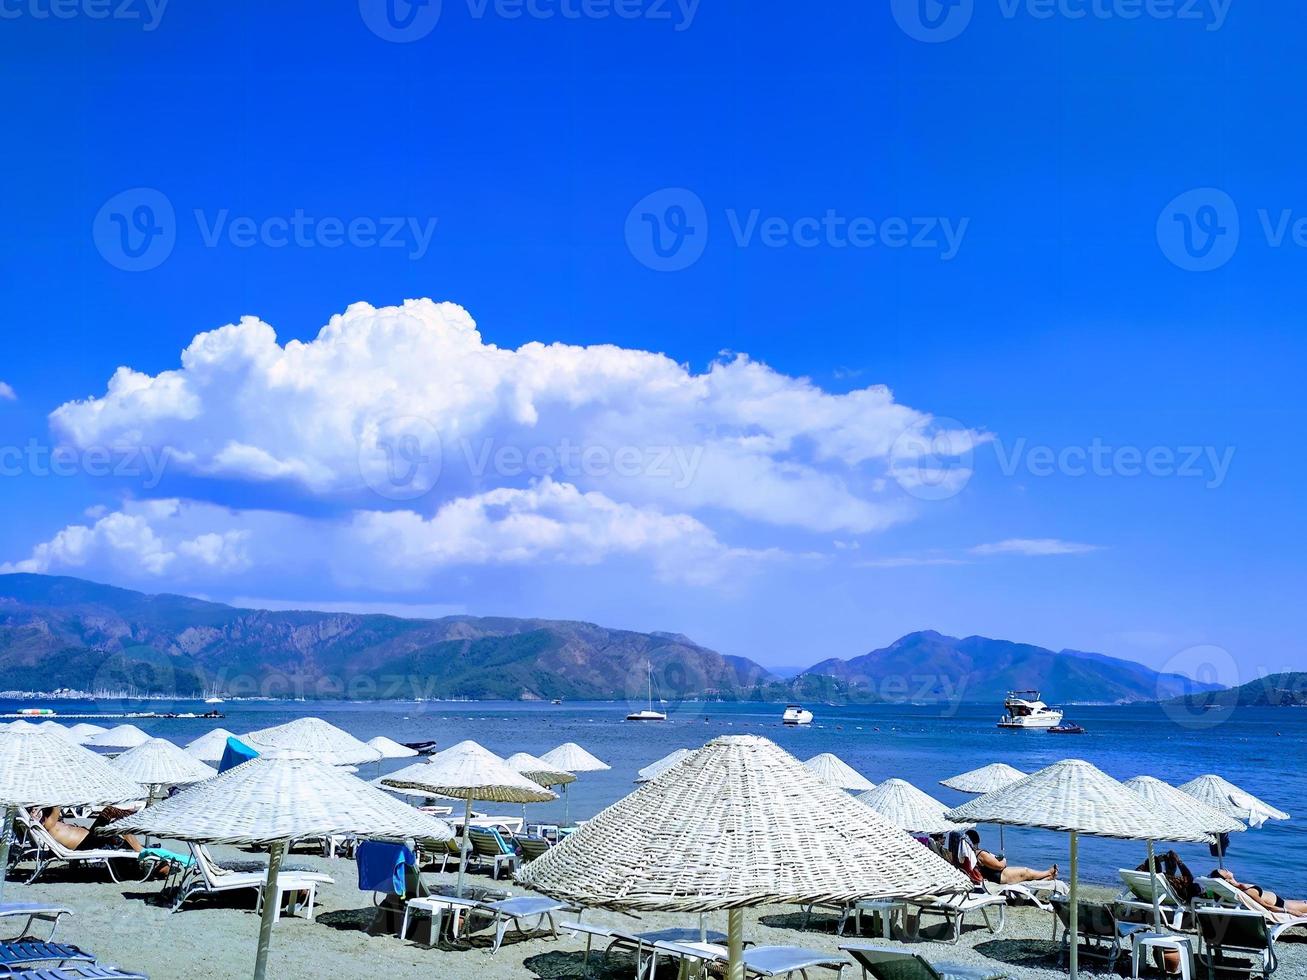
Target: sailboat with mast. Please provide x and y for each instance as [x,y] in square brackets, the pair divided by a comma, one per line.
[648,714]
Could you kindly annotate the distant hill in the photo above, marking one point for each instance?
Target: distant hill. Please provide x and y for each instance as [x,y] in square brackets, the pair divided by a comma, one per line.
[1273,690]
[65,632]
[930,666]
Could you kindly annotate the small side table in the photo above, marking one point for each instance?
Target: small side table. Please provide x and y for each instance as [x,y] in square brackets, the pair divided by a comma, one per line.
[886,908]
[1144,942]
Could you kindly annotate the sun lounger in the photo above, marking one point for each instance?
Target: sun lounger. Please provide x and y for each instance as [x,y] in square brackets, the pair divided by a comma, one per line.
[1220,891]
[532,847]
[30,912]
[503,913]
[82,972]
[1038,893]
[1226,936]
[45,851]
[1139,897]
[207,877]
[638,943]
[489,844]
[17,955]
[785,961]
[882,963]
[1102,936]
[954,909]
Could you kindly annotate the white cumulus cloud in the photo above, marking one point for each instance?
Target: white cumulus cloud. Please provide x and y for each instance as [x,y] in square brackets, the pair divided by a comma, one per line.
[7,393]
[1034,547]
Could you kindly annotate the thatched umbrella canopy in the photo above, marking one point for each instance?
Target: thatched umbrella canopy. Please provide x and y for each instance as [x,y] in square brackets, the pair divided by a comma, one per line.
[1193,810]
[1077,798]
[158,763]
[986,779]
[84,730]
[390,749]
[570,757]
[834,771]
[210,747]
[54,728]
[739,823]
[539,771]
[662,765]
[277,798]
[469,772]
[1229,798]
[903,805]
[315,737]
[121,737]
[41,769]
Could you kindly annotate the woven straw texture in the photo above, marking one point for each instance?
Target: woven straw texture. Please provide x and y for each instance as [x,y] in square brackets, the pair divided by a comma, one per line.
[1229,798]
[903,805]
[39,769]
[210,747]
[1164,796]
[539,771]
[834,771]
[390,749]
[84,730]
[315,737]
[662,765]
[160,763]
[570,757]
[986,779]
[741,822]
[122,737]
[282,797]
[466,770]
[1074,795]
[54,728]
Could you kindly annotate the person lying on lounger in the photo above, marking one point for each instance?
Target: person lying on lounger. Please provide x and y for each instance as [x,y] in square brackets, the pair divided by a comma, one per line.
[1263,896]
[1175,871]
[77,838]
[994,867]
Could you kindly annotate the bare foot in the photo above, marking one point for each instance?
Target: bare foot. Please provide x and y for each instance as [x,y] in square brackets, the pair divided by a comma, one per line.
[1052,873]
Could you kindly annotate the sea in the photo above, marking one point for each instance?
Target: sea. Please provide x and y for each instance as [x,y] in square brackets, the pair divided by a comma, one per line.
[1263,750]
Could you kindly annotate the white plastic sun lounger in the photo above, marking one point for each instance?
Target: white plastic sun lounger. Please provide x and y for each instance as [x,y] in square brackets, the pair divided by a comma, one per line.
[1038,893]
[640,943]
[759,961]
[30,912]
[954,909]
[883,963]
[207,877]
[503,913]
[1139,895]
[45,851]
[1220,891]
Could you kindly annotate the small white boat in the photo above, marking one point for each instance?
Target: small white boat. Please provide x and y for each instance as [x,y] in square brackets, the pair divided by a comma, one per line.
[1026,710]
[648,714]
[214,701]
[796,714]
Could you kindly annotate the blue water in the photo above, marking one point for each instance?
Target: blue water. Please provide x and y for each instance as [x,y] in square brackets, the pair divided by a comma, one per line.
[1260,749]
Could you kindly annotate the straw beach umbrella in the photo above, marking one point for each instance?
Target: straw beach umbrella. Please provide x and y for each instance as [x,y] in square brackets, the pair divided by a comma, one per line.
[1076,797]
[903,805]
[40,769]
[570,757]
[390,749]
[158,763]
[662,765]
[277,798]
[539,771]
[84,730]
[834,771]
[122,737]
[986,779]
[1229,798]
[469,772]
[739,823]
[1164,796]
[317,738]
[210,747]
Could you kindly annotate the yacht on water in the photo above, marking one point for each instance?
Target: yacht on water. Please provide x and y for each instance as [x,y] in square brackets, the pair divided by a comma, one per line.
[796,714]
[648,714]
[1026,710]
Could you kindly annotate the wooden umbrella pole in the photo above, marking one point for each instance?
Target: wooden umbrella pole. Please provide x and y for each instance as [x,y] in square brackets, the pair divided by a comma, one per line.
[271,899]
[735,944]
[6,837]
[1157,903]
[1075,905]
[462,857]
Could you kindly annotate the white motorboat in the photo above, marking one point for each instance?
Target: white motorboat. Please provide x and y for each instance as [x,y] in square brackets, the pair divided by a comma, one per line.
[796,714]
[1026,710]
[648,714]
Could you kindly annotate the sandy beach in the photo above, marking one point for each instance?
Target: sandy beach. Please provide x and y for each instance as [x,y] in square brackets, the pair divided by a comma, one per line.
[126,924]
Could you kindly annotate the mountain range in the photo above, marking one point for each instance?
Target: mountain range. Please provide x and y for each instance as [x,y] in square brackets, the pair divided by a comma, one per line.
[58,632]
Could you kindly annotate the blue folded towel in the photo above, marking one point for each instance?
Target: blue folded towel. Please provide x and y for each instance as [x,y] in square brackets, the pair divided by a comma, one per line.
[234,754]
[381,866]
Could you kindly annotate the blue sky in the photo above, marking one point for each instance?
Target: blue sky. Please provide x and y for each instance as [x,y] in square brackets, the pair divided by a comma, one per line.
[992,225]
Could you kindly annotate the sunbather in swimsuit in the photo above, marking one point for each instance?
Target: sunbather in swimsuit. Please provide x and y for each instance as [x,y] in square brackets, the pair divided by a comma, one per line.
[996,869]
[1262,896]
[77,838]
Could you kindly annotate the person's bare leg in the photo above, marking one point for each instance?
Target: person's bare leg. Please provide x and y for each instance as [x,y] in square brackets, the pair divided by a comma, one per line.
[1295,908]
[1017,876]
